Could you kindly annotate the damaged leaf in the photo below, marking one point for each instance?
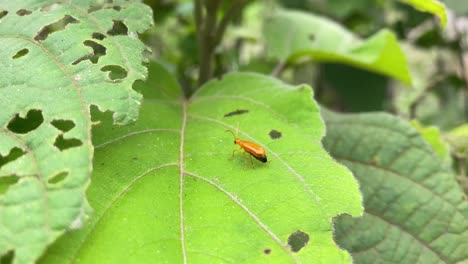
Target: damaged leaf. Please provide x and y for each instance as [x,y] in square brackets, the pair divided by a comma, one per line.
[51,72]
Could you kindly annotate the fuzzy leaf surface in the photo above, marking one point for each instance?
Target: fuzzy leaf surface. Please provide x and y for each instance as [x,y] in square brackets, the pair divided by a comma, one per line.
[415,210]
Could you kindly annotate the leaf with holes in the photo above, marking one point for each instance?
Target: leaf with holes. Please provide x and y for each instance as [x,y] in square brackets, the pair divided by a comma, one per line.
[54,64]
[294,35]
[415,210]
[167,189]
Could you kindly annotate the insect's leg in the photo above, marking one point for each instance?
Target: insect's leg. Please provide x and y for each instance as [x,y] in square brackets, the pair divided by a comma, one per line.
[243,157]
[251,161]
[234,152]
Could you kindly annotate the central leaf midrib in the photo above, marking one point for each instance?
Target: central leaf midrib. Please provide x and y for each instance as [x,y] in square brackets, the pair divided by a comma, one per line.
[181,178]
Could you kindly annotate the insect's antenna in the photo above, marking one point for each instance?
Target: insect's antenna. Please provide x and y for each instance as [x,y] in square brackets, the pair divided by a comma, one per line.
[237,127]
[231,133]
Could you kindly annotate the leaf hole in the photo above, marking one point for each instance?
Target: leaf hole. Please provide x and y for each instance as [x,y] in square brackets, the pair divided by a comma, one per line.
[14,154]
[275,134]
[298,240]
[23,12]
[3,14]
[119,28]
[24,125]
[54,27]
[98,36]
[98,117]
[115,72]
[59,177]
[8,257]
[20,53]
[64,143]
[98,51]
[5,183]
[237,112]
[63,125]
[267,251]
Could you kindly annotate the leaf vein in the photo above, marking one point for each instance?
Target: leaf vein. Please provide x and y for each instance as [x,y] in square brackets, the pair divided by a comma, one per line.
[255,218]
[106,209]
[414,236]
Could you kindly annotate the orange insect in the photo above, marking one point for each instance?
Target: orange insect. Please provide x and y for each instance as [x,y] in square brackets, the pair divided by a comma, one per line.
[253,149]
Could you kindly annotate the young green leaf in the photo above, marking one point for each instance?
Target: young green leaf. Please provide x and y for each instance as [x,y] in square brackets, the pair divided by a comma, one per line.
[431,134]
[415,210]
[56,60]
[166,190]
[293,35]
[432,6]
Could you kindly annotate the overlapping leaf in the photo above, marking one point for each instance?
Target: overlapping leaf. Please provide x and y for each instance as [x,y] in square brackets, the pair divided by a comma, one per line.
[415,210]
[56,60]
[167,189]
[432,6]
[293,35]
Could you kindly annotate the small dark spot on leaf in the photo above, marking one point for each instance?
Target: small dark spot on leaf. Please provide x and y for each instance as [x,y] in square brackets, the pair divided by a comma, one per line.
[63,143]
[54,27]
[21,125]
[99,36]
[20,53]
[267,251]
[14,154]
[23,12]
[3,13]
[8,257]
[274,134]
[119,28]
[312,37]
[63,125]
[117,8]
[98,51]
[115,72]
[236,112]
[298,240]
[97,7]
[5,183]
[58,177]
[135,158]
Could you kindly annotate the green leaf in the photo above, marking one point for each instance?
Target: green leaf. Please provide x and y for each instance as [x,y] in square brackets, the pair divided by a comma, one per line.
[166,189]
[431,135]
[431,6]
[56,61]
[293,35]
[415,210]
[458,139]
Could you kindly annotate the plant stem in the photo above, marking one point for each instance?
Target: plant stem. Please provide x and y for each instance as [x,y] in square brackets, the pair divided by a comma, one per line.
[464,74]
[278,68]
[210,33]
